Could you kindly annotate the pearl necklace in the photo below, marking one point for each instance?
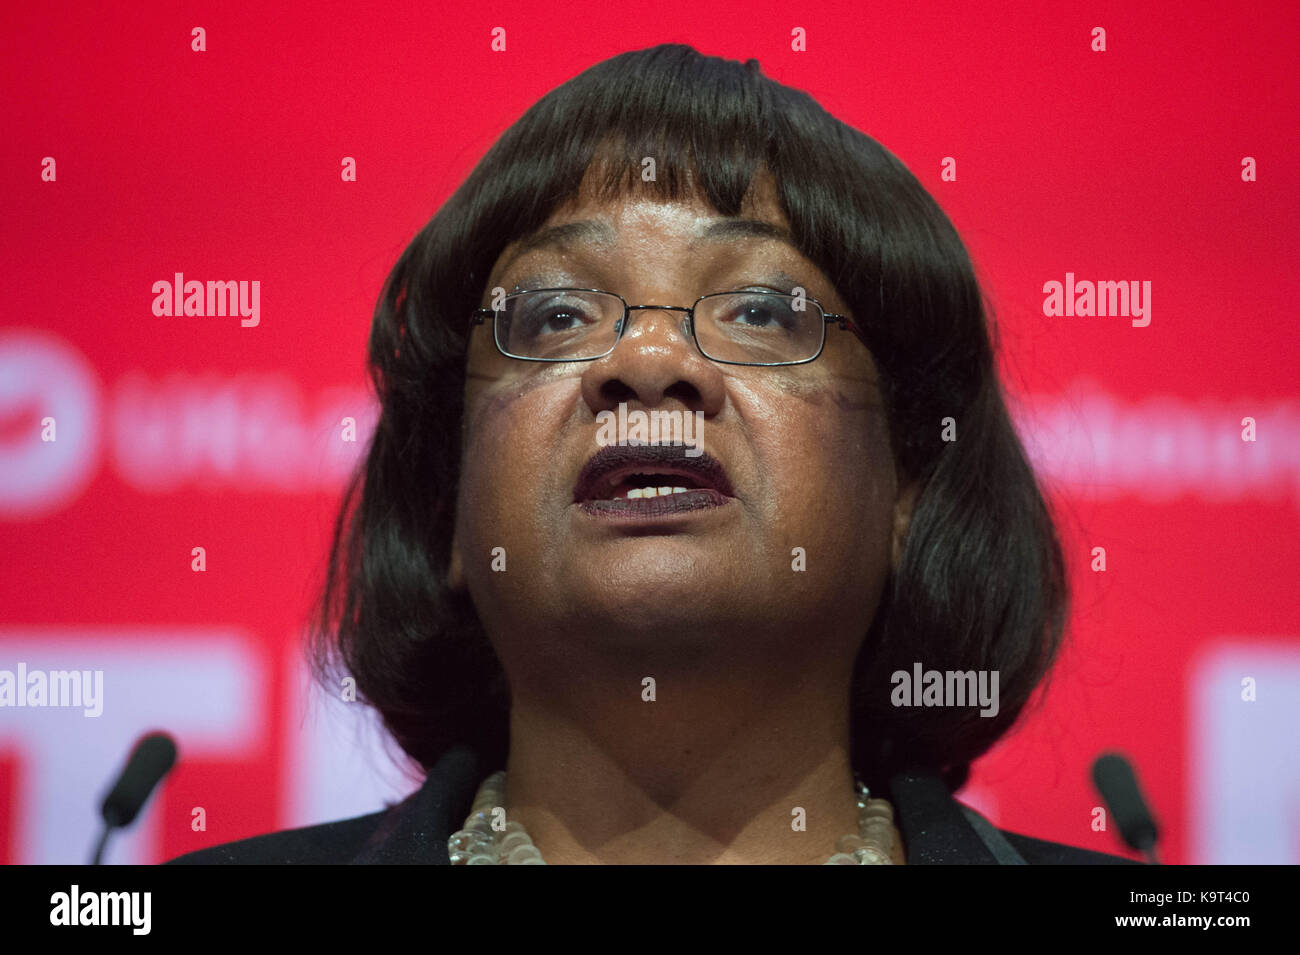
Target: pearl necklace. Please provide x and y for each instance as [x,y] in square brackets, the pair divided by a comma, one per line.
[478,843]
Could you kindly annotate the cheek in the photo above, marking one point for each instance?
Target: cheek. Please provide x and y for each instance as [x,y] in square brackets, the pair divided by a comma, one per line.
[824,455]
[510,435]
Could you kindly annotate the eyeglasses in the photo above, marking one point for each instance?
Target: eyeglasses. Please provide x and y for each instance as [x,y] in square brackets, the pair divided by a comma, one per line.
[735,328]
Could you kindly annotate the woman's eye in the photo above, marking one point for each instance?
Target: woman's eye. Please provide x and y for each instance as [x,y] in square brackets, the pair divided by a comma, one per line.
[759,311]
[543,319]
[753,316]
[559,320]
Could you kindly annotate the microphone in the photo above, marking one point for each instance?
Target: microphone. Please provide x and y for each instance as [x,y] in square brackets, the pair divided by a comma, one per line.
[151,760]
[1114,778]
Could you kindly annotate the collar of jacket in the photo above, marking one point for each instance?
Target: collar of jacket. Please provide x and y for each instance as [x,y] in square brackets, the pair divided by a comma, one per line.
[937,830]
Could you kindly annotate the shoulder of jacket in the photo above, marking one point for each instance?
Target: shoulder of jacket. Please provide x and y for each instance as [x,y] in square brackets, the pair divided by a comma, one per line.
[1042,852]
[323,844]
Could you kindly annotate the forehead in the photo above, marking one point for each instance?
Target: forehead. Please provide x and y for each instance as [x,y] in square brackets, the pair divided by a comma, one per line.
[595,219]
[597,194]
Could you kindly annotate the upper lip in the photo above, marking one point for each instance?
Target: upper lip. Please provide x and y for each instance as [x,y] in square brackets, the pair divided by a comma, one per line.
[611,464]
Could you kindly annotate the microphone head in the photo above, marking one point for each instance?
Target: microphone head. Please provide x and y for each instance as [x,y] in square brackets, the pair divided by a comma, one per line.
[1114,778]
[151,760]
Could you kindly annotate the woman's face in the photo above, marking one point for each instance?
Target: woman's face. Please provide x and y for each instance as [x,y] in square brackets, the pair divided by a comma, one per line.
[805,450]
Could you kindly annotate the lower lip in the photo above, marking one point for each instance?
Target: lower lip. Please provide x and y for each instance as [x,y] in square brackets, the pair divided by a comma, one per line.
[651,507]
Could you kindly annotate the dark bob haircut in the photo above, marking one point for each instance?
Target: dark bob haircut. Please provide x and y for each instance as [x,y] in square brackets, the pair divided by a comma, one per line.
[981,583]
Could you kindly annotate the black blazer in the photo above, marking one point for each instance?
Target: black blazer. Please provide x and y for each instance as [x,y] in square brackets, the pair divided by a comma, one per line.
[936,829]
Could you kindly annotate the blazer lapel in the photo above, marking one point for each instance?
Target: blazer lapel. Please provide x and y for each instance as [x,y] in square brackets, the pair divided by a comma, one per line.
[416,830]
[936,830]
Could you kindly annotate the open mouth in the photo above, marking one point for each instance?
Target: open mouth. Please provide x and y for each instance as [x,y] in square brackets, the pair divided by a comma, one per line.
[649,480]
[643,486]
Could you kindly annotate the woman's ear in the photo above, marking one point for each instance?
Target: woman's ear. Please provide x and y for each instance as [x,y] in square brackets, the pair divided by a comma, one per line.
[903,504]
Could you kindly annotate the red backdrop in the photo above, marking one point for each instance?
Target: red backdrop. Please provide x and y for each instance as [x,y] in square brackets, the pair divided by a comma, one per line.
[179,432]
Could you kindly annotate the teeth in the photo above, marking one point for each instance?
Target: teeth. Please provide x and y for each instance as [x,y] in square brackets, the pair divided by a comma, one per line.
[638,493]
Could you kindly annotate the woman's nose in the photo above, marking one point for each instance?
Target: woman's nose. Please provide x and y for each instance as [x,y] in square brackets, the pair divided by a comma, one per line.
[644,321]
[654,359]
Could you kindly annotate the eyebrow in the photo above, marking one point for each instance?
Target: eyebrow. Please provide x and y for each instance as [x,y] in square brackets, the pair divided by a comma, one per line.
[599,233]
[727,229]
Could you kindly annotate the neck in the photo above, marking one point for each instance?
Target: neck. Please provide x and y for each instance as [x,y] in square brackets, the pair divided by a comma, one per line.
[711,771]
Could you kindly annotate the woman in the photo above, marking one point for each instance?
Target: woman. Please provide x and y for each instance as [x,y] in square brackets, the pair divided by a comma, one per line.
[685,647]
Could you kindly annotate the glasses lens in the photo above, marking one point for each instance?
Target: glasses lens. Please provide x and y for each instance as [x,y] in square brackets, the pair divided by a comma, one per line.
[558,324]
[759,327]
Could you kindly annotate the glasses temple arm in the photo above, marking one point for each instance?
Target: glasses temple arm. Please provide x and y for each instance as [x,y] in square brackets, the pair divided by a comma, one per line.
[848,324]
